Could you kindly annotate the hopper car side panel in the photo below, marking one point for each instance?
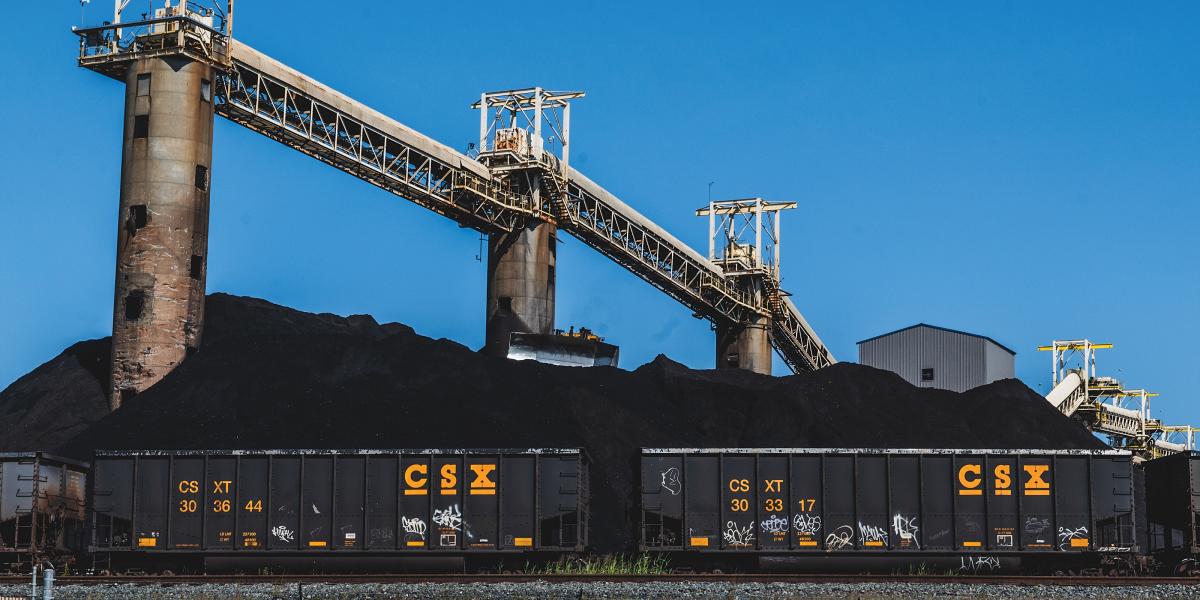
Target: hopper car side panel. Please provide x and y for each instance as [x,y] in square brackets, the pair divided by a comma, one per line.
[339,502]
[785,501]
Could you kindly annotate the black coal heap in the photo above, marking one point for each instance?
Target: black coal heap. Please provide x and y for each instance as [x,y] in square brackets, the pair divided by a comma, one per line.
[272,377]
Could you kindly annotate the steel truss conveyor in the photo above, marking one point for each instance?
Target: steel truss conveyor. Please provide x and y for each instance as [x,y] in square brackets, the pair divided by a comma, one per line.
[287,106]
[1099,403]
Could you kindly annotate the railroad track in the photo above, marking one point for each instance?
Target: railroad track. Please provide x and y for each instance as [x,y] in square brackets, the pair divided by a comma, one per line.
[1018,580]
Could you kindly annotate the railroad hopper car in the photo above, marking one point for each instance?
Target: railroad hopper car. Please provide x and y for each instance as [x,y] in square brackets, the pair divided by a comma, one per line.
[1173,511]
[41,508]
[356,510]
[868,509]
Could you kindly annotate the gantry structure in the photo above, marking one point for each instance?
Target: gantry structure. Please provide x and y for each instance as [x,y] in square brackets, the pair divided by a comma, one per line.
[181,66]
[1106,406]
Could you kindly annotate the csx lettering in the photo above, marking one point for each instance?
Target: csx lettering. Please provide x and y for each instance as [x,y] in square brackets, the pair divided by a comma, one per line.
[739,485]
[1003,480]
[410,475]
[970,484]
[483,475]
[189,487]
[221,487]
[773,485]
[1036,485]
[449,476]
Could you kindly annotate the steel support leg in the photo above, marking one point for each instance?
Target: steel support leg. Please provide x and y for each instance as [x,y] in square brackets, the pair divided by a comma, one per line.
[162,231]
[520,296]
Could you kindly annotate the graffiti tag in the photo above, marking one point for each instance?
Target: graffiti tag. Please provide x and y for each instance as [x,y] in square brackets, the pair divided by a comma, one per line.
[450,518]
[906,529]
[282,533]
[414,527]
[806,523]
[871,533]
[842,537]
[1066,535]
[670,481]
[738,536]
[975,564]
[774,524]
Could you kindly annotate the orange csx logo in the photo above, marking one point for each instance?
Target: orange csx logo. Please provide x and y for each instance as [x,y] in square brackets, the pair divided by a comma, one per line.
[970,480]
[1035,485]
[416,476]
[483,484]
[1003,481]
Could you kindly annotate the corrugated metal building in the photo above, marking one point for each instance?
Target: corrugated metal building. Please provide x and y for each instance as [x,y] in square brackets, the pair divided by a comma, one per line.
[936,357]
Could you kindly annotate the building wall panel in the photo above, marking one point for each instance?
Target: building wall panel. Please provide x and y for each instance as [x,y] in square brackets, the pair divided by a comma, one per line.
[959,361]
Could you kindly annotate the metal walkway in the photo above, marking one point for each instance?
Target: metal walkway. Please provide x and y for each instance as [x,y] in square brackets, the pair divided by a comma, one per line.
[290,107]
[281,103]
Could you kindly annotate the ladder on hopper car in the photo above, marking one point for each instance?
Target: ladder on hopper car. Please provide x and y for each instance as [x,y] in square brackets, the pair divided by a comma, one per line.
[1104,405]
[283,104]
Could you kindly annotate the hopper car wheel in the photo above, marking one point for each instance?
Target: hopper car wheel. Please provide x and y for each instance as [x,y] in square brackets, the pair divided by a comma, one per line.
[1188,568]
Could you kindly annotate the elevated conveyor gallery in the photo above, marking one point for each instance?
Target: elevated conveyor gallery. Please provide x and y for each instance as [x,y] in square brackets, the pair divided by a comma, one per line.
[1098,402]
[281,103]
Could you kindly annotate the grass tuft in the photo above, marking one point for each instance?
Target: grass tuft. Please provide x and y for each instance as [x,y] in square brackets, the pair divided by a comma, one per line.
[611,564]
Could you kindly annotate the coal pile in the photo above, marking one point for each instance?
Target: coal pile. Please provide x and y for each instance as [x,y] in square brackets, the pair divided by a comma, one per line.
[58,400]
[271,377]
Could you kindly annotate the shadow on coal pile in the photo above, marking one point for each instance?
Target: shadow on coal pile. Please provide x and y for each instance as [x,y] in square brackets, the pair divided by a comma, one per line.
[271,377]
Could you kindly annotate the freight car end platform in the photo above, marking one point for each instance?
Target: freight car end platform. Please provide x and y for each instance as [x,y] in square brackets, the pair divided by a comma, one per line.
[831,509]
[336,509]
[41,508]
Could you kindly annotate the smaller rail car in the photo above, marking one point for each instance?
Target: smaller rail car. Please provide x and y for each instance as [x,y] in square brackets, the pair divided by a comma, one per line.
[1173,511]
[995,506]
[343,503]
[41,507]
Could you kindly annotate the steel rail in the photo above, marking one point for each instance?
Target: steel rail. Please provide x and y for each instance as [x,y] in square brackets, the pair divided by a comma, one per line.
[736,578]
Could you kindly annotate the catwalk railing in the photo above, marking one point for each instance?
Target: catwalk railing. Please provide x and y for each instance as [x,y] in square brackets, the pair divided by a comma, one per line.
[287,106]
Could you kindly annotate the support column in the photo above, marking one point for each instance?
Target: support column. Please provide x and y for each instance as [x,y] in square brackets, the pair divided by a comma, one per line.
[162,234]
[520,296]
[745,346]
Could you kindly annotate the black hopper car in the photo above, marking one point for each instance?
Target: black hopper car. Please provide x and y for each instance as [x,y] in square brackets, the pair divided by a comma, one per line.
[803,509]
[893,510]
[41,509]
[325,510]
[1172,498]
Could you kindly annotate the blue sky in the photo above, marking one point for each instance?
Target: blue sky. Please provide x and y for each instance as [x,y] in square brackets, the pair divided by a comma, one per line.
[1022,170]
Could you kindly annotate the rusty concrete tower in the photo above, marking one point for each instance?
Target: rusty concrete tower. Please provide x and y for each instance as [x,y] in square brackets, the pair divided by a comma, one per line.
[520,287]
[167,64]
[162,237]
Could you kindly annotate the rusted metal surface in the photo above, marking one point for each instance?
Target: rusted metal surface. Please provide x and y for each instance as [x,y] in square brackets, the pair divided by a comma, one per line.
[745,345]
[162,229]
[520,292]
